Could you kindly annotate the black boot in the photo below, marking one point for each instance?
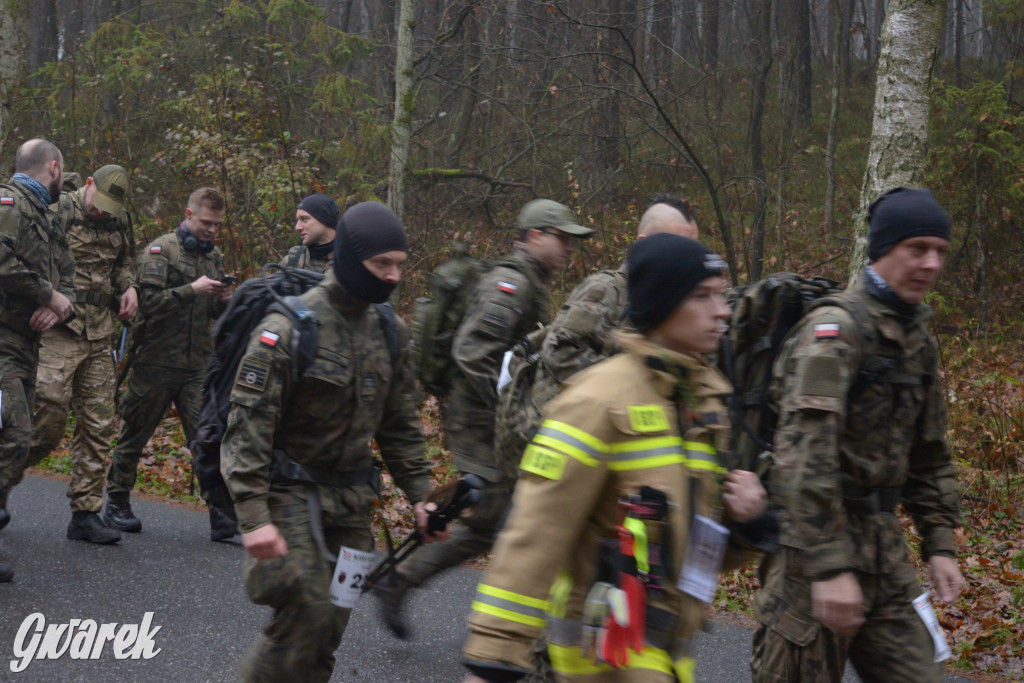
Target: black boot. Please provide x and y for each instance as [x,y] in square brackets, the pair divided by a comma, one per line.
[87,526]
[390,599]
[222,527]
[120,516]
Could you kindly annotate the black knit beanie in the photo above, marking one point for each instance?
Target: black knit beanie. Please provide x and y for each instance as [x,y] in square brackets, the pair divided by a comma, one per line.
[322,208]
[663,269]
[900,214]
[365,230]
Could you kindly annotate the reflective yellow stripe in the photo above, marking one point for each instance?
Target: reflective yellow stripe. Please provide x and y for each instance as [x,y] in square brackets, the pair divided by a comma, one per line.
[645,454]
[519,598]
[702,456]
[572,441]
[558,596]
[570,661]
[686,670]
[504,604]
[639,531]
[509,615]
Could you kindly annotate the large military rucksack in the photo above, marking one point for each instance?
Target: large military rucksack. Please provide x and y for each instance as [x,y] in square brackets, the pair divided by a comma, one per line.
[519,412]
[436,318]
[255,299]
[763,315]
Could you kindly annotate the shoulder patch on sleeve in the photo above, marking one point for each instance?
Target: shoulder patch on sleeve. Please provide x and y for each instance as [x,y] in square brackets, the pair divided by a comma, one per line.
[819,376]
[647,419]
[544,462]
[826,331]
[155,249]
[268,338]
[507,287]
[252,374]
[6,201]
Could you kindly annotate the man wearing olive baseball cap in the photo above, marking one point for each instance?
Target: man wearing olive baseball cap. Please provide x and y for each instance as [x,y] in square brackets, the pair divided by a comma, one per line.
[76,368]
[509,301]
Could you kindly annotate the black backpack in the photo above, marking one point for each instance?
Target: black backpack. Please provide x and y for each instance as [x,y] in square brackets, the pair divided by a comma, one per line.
[254,300]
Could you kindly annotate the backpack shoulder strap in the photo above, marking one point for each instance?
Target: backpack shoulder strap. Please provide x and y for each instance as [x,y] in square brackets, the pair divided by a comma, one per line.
[389,325]
[304,331]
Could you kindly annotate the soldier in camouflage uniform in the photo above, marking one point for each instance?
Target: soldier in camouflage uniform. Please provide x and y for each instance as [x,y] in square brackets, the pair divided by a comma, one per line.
[862,429]
[509,301]
[37,281]
[581,332]
[315,221]
[181,292]
[76,367]
[318,429]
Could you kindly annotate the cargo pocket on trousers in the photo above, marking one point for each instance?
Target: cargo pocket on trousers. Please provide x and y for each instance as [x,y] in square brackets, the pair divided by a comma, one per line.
[271,582]
[796,628]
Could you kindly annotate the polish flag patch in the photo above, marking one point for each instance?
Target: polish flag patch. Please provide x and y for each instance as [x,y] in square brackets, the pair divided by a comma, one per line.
[155,249]
[826,331]
[268,338]
[6,201]
[507,287]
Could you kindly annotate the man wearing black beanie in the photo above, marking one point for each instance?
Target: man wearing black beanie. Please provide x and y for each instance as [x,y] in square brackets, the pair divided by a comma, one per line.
[629,450]
[861,430]
[297,452]
[315,220]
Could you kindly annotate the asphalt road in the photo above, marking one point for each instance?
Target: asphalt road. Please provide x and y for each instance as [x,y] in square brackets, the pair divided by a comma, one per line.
[193,589]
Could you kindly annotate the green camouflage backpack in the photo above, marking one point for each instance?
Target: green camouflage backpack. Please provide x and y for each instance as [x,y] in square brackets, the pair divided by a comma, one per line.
[436,319]
[763,314]
[518,417]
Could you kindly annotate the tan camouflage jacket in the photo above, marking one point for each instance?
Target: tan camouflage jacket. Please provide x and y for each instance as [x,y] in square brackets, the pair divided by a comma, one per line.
[304,259]
[507,304]
[34,258]
[175,324]
[617,426]
[581,334]
[348,397]
[886,433]
[102,265]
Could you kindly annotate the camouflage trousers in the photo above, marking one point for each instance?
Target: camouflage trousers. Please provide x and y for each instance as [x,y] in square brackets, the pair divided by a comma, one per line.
[791,645]
[306,628]
[77,374]
[18,358]
[149,393]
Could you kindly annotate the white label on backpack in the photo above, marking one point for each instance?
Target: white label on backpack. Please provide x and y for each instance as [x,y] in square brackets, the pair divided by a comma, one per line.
[504,377]
[349,574]
[924,610]
[704,553]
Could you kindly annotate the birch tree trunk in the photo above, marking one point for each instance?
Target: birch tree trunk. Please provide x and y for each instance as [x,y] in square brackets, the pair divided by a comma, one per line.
[908,51]
[402,124]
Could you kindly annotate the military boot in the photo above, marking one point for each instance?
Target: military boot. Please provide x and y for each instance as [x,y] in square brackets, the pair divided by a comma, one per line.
[120,516]
[222,527]
[87,526]
[390,600]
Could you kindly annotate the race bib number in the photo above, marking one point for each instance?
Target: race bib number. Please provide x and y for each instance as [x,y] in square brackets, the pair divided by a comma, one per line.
[704,553]
[349,574]
[924,610]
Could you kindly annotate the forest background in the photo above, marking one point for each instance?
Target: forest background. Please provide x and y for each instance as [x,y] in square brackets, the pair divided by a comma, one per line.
[758,111]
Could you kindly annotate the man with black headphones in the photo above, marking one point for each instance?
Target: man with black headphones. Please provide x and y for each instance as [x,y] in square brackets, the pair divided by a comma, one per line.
[182,290]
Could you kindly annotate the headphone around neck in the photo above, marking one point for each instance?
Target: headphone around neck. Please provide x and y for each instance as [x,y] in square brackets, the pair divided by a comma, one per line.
[193,243]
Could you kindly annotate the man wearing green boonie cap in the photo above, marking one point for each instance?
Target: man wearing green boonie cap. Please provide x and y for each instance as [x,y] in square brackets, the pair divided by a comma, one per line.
[508,302]
[76,367]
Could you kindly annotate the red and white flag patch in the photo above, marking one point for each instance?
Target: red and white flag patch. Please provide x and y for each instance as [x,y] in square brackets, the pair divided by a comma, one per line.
[155,249]
[826,331]
[6,201]
[268,338]
[507,287]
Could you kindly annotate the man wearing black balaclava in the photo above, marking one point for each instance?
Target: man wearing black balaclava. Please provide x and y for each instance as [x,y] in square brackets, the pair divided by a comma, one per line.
[862,430]
[315,221]
[37,285]
[358,389]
